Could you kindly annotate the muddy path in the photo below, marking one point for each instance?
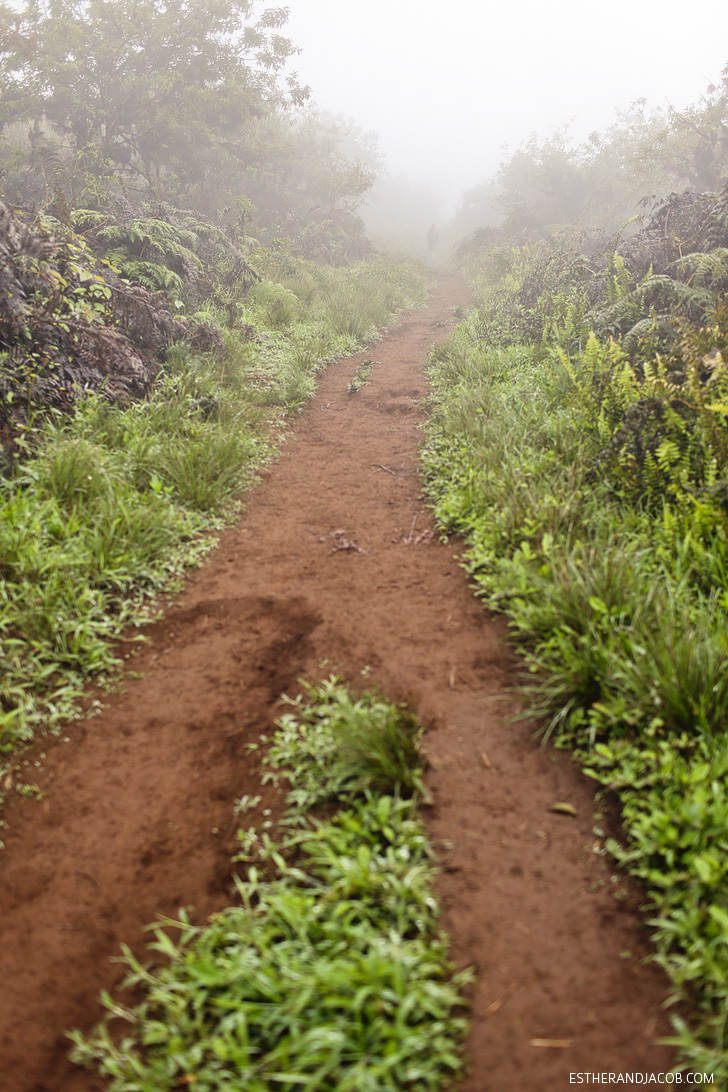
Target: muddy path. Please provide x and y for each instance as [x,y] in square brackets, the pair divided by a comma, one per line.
[333,568]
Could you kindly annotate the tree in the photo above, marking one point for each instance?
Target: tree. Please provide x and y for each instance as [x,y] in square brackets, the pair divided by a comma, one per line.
[600,183]
[542,184]
[164,96]
[146,104]
[316,169]
[699,138]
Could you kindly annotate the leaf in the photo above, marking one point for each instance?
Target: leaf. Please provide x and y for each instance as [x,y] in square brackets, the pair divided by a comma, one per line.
[720,917]
[563,808]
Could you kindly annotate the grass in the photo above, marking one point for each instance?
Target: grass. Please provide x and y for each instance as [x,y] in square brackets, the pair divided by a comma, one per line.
[112,505]
[620,611]
[337,744]
[360,377]
[331,976]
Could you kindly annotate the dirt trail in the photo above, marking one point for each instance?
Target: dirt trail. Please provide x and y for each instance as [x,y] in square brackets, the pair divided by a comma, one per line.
[334,561]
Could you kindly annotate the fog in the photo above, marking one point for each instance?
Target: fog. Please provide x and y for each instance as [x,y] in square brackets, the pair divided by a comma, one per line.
[447,86]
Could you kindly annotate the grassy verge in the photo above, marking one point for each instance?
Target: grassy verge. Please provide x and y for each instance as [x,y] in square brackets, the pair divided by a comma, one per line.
[620,609]
[331,976]
[111,504]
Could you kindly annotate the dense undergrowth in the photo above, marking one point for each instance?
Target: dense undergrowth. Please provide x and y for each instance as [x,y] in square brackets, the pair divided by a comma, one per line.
[588,475]
[330,974]
[111,496]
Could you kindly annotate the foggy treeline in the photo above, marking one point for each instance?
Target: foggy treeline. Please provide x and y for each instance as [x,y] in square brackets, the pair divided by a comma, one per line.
[109,106]
[601,183]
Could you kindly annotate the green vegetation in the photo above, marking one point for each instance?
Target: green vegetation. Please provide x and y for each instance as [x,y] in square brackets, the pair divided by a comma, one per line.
[165,199]
[161,316]
[361,376]
[109,503]
[338,745]
[331,976]
[579,442]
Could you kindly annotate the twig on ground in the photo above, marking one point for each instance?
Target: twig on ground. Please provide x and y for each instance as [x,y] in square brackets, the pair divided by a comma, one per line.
[408,540]
[395,473]
[500,1001]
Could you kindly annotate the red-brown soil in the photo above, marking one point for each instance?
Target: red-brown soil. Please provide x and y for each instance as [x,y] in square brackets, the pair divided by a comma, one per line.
[333,567]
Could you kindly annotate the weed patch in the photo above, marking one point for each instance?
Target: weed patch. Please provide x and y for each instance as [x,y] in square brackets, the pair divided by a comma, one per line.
[332,976]
[361,376]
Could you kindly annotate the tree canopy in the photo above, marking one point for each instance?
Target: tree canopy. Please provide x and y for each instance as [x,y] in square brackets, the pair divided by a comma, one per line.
[188,102]
[160,95]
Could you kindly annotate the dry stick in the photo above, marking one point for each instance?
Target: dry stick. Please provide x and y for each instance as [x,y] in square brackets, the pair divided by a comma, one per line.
[558,1044]
[408,540]
[395,473]
[500,1001]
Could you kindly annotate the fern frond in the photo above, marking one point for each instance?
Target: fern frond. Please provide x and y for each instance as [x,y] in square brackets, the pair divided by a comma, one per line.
[654,327]
[83,219]
[619,315]
[703,267]
[664,290]
[150,275]
[49,163]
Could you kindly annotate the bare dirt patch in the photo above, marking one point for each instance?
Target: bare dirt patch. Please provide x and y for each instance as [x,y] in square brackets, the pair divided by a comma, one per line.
[335,567]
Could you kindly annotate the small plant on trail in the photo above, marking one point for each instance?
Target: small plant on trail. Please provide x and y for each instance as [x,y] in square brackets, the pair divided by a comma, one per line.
[335,744]
[361,376]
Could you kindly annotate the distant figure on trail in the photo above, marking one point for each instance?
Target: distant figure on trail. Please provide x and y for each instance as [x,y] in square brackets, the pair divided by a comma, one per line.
[433,238]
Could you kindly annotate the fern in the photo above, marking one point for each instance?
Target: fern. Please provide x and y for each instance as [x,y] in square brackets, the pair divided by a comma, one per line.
[565,321]
[620,315]
[703,268]
[648,334]
[671,294]
[152,275]
[157,236]
[618,282]
[86,219]
[49,163]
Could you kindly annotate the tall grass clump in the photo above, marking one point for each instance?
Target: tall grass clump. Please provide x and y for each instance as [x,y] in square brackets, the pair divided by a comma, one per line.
[332,973]
[335,744]
[588,483]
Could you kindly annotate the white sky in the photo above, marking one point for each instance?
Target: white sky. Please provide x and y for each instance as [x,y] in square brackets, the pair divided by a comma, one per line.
[447,84]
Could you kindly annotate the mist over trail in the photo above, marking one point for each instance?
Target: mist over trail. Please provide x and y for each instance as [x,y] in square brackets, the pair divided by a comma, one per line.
[451,93]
